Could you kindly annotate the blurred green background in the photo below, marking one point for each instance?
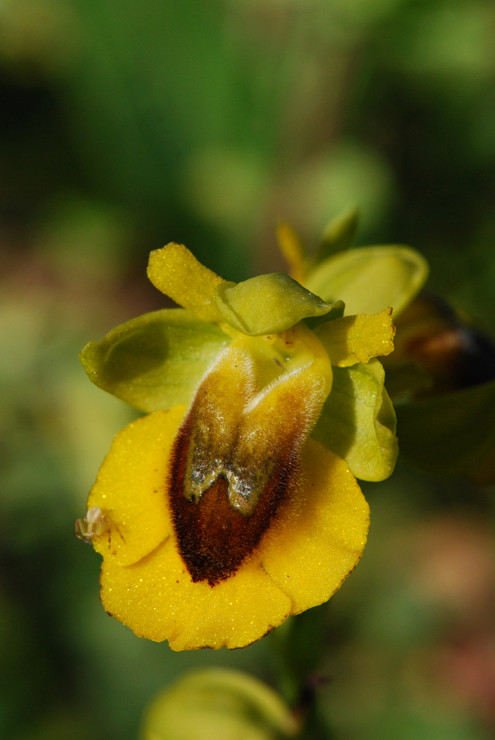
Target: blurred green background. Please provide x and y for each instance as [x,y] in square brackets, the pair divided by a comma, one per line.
[126,125]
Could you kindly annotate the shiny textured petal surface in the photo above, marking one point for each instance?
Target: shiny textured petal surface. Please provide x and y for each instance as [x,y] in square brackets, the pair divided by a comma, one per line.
[321,534]
[159,601]
[131,487]
[178,274]
[354,339]
[312,545]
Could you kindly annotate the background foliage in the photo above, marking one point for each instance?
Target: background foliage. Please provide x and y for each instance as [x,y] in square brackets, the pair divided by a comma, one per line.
[126,125]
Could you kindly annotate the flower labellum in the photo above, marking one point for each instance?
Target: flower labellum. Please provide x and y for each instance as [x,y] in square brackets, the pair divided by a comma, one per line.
[235,458]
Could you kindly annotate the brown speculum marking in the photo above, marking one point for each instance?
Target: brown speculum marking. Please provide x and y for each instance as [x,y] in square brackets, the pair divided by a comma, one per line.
[233,462]
[213,536]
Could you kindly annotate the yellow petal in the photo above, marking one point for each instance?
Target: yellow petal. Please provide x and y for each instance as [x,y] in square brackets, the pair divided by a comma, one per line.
[314,543]
[156,596]
[293,250]
[320,535]
[159,601]
[178,274]
[354,339]
[131,487]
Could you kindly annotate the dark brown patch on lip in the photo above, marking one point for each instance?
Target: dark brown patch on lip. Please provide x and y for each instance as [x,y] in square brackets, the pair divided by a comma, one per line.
[235,459]
[214,537]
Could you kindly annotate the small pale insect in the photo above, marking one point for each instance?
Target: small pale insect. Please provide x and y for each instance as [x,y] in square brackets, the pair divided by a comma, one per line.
[93,524]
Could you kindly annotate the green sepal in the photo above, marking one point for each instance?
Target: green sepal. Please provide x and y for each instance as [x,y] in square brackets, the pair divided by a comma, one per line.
[338,235]
[267,304]
[156,360]
[451,434]
[370,279]
[358,421]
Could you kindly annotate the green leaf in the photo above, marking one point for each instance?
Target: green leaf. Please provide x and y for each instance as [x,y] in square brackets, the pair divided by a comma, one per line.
[156,360]
[267,304]
[451,434]
[338,235]
[358,421]
[370,279]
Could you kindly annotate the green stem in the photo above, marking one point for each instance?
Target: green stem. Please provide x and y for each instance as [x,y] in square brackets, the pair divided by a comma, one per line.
[298,648]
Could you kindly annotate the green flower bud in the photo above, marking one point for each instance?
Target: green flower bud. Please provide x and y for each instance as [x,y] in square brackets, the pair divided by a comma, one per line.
[218,704]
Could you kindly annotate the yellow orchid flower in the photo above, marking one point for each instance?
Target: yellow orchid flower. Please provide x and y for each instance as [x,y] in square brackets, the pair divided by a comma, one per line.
[234,503]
